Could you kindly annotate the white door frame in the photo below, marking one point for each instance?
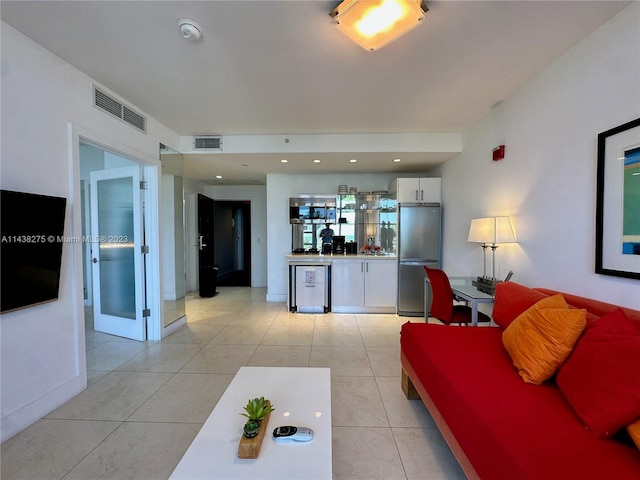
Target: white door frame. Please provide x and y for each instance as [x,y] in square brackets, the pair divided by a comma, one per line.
[88,292]
[151,168]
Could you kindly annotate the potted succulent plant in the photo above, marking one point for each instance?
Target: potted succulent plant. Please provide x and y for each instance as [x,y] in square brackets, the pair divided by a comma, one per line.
[255,411]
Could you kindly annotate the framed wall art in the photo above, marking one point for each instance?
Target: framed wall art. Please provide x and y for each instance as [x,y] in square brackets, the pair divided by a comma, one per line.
[618,201]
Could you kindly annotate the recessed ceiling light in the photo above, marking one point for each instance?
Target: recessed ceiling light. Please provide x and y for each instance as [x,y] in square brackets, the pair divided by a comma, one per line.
[316,160]
[353,160]
[218,176]
[397,160]
[284,160]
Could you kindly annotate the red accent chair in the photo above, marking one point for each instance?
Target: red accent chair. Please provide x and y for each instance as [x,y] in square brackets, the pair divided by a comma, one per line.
[442,306]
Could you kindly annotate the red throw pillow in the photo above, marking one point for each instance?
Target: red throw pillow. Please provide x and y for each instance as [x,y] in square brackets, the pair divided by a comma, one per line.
[601,378]
[511,300]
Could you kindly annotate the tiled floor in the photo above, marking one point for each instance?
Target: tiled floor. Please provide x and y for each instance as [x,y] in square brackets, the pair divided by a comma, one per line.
[146,401]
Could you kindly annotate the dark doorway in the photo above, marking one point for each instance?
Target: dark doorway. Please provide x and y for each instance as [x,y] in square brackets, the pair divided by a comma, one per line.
[233,242]
[207,269]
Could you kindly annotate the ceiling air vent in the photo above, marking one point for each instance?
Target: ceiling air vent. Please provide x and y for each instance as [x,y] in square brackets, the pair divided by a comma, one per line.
[112,106]
[207,142]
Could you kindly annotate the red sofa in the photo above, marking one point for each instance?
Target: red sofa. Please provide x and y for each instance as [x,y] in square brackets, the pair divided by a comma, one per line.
[498,426]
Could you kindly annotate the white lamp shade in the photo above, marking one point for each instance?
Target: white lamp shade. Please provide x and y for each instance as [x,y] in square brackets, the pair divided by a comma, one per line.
[481,230]
[504,231]
[491,230]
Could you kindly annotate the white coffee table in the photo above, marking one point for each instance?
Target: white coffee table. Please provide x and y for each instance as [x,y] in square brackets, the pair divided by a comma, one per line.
[301,396]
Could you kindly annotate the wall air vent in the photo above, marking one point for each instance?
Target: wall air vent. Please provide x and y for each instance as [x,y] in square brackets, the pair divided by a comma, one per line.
[112,106]
[208,143]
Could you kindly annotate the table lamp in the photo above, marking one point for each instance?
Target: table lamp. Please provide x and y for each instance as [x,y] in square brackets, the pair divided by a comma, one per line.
[490,232]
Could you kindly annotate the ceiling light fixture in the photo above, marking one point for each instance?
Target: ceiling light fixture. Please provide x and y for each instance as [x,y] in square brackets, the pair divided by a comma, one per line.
[218,176]
[316,160]
[397,160]
[353,160]
[284,160]
[190,30]
[374,23]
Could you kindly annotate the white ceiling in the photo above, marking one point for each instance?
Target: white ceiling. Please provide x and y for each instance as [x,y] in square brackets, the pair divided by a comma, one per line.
[282,68]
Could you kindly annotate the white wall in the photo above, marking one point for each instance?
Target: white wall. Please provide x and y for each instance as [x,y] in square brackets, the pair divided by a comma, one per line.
[547,181]
[42,347]
[173,243]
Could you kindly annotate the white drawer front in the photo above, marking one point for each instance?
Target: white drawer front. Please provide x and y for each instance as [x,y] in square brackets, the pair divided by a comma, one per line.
[309,274]
[310,295]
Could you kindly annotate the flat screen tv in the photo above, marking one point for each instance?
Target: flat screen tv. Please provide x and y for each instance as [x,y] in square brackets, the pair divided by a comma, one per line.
[31,230]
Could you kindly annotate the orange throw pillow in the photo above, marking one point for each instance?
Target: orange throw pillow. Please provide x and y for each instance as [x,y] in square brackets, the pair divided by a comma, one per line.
[541,338]
[634,432]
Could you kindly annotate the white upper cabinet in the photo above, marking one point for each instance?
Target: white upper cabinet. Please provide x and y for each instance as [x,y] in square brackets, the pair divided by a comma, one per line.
[417,190]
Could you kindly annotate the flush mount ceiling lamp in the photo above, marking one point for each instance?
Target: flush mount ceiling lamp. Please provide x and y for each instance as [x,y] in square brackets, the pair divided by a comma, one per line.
[189,29]
[374,23]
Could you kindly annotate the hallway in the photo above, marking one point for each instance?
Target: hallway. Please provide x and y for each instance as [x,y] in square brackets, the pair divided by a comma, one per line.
[147,400]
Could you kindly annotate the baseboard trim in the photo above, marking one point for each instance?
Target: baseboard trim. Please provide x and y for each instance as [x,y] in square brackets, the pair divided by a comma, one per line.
[271,297]
[17,421]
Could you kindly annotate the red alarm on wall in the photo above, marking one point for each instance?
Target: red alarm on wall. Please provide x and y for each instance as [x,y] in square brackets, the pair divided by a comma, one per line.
[498,153]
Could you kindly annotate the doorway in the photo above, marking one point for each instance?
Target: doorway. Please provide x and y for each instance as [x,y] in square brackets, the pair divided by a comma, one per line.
[113,231]
[232,242]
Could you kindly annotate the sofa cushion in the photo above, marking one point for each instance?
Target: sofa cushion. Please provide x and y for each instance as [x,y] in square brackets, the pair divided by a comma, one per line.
[634,432]
[601,378]
[594,307]
[511,300]
[542,338]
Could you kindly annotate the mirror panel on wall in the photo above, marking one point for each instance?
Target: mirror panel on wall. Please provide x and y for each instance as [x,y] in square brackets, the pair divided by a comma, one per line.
[173,235]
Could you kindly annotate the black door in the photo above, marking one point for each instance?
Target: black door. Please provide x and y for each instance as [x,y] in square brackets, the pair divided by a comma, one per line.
[207,268]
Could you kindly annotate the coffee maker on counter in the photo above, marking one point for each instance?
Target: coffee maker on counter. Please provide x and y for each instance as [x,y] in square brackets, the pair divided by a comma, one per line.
[338,244]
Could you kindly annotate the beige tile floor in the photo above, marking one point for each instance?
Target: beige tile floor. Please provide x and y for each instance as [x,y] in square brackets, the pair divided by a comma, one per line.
[147,400]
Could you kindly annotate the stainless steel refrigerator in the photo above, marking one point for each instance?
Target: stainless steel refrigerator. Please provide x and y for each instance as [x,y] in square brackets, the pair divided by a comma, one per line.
[418,245]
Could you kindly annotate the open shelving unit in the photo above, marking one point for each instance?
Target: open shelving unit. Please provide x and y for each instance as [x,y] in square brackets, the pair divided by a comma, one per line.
[369,215]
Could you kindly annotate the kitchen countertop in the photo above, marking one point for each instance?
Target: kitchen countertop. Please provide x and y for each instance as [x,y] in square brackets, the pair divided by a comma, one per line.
[319,257]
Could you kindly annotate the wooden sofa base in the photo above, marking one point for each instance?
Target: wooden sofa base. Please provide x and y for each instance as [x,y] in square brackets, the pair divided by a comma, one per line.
[414,390]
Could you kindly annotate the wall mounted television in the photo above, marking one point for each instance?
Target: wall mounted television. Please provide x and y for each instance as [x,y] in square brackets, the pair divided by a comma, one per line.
[31,230]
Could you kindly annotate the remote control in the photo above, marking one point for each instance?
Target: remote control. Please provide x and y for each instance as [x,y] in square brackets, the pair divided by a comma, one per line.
[292,434]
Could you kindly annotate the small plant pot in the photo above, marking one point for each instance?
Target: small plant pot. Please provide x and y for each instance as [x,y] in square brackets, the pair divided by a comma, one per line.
[249,447]
[251,429]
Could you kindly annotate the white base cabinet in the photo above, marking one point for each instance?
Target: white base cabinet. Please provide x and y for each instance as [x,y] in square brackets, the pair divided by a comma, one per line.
[309,282]
[362,285]
[347,283]
[310,287]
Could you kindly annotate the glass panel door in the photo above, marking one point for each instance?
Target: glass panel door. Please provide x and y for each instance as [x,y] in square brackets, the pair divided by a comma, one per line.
[117,261]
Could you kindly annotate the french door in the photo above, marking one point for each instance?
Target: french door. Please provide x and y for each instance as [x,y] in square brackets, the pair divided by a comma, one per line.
[117,239]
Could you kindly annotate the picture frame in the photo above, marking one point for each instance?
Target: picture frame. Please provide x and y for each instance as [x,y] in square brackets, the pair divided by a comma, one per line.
[618,202]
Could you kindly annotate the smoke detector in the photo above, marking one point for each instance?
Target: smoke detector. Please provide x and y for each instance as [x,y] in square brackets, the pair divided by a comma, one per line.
[190,30]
